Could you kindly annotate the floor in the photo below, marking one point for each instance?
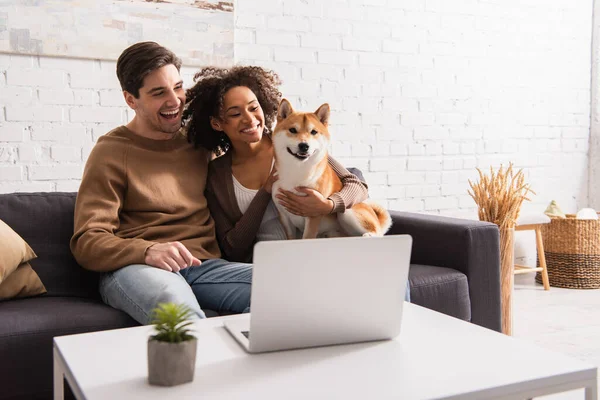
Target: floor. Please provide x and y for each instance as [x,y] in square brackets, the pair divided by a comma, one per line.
[563,320]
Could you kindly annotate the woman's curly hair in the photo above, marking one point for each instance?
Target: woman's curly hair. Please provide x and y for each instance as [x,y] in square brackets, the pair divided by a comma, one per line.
[205,100]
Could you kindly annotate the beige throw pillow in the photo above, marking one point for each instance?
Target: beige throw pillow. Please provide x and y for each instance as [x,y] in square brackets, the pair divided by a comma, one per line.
[23,282]
[17,278]
[13,251]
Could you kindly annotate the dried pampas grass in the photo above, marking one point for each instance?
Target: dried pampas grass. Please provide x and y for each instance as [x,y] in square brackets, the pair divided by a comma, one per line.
[499,196]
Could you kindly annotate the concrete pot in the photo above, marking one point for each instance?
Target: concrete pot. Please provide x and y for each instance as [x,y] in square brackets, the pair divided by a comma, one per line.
[171,364]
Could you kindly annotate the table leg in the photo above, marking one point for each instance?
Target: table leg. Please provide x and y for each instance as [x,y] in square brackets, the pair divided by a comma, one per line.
[59,390]
[591,392]
[542,257]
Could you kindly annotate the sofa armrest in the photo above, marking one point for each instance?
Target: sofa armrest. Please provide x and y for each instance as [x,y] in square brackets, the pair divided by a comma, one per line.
[469,246]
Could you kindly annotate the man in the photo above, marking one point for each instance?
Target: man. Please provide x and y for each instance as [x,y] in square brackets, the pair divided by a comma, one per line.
[141,218]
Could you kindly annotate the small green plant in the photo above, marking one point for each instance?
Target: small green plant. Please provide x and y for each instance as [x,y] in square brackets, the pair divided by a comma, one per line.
[171,322]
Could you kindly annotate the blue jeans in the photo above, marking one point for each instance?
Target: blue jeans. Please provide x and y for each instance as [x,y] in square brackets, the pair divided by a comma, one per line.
[217,285]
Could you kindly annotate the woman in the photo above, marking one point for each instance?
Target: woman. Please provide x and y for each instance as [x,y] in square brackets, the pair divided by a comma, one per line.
[231,112]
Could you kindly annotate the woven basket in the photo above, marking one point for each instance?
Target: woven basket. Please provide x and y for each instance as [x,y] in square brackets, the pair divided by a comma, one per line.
[572,249]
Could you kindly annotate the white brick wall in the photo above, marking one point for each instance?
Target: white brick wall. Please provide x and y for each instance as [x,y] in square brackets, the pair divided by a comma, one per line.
[436,87]
[422,93]
[594,142]
[52,110]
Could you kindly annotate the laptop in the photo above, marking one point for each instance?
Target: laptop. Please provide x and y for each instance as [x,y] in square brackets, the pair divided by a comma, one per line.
[319,292]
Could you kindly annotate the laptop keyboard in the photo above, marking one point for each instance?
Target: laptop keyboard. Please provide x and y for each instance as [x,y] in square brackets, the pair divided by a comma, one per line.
[246,333]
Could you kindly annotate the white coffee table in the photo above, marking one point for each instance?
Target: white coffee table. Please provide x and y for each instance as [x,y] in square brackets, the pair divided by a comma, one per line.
[435,357]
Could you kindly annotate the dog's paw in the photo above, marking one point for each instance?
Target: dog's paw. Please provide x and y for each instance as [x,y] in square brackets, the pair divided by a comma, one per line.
[369,234]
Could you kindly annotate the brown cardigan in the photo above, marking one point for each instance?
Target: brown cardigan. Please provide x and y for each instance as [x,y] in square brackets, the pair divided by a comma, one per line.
[236,232]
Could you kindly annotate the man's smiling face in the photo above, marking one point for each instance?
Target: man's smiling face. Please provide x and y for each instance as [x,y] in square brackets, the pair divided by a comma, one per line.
[160,103]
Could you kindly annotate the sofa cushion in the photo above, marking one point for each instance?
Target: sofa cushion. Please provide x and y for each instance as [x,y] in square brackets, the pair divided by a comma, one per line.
[441,289]
[45,221]
[26,332]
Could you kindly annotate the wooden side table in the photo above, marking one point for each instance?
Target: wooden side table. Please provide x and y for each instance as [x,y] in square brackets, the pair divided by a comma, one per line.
[534,222]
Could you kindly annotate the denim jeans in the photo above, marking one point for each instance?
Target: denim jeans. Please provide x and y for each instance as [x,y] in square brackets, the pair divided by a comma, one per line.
[217,284]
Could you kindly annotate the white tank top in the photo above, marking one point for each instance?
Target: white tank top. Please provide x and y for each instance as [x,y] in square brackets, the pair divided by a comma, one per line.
[270,227]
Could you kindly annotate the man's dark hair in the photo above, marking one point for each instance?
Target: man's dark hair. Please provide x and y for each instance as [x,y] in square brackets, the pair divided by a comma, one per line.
[205,100]
[140,59]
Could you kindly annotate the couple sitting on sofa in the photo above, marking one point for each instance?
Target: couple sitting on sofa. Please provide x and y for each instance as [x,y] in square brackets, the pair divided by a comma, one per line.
[151,209]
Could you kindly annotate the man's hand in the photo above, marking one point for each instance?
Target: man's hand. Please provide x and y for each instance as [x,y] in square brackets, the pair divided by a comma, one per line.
[309,204]
[172,256]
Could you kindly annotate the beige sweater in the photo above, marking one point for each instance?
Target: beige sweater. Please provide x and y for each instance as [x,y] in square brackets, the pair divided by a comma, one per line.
[236,232]
[136,192]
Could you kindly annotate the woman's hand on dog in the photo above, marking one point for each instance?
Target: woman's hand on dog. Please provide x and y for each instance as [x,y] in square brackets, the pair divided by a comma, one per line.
[268,186]
[308,204]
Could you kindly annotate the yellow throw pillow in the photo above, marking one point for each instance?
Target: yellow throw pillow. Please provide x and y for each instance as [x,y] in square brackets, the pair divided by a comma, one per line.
[23,282]
[13,251]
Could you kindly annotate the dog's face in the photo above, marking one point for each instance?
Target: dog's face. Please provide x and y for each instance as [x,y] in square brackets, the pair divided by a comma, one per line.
[299,135]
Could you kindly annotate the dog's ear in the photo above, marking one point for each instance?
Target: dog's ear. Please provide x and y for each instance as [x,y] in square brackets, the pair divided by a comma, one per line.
[284,111]
[323,114]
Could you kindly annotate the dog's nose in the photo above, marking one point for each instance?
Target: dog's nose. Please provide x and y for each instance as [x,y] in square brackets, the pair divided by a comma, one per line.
[303,147]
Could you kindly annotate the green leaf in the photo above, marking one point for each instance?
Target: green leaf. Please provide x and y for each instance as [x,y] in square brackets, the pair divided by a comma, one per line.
[171,322]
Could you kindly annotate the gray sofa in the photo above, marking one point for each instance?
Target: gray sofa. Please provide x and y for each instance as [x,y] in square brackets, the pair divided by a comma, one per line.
[454,270]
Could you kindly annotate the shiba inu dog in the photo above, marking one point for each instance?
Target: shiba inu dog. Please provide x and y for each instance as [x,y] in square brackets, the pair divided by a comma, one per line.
[300,141]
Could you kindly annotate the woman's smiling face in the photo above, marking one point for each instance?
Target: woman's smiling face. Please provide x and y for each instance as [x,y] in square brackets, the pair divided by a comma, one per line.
[243,120]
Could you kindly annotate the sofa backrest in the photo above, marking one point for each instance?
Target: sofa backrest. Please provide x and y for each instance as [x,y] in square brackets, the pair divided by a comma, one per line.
[45,221]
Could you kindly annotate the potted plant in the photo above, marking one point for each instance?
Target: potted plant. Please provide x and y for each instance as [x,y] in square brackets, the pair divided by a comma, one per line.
[172,350]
